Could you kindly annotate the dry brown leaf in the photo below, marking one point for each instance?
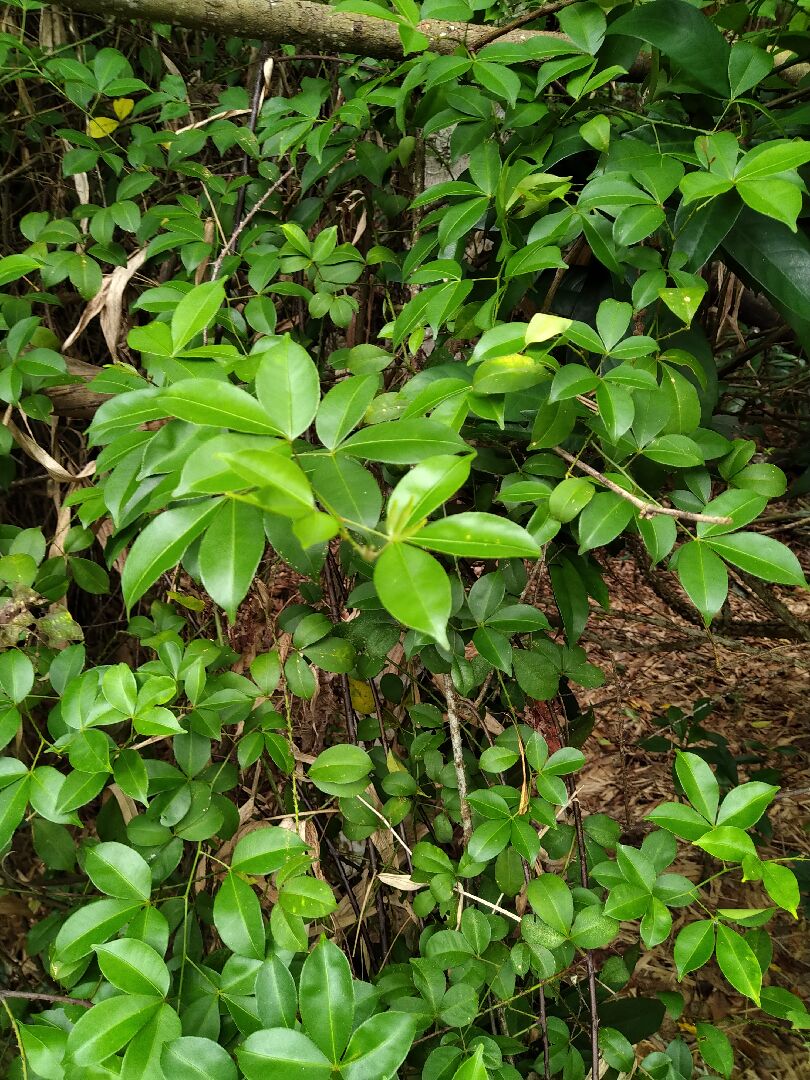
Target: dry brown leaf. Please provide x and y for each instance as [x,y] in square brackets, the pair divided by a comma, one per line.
[108,303]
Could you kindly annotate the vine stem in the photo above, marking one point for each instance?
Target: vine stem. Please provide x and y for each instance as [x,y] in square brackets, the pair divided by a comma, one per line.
[53,999]
[647,509]
[454,724]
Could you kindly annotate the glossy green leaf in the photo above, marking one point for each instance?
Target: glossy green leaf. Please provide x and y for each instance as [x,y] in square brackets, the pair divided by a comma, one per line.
[134,967]
[108,1026]
[378,1047]
[238,918]
[265,850]
[403,442]
[694,946]
[415,589]
[307,897]
[119,871]
[230,552]
[703,576]
[738,962]
[282,1052]
[195,1058]
[213,403]
[343,408]
[480,536]
[195,312]
[288,387]
[326,999]
[603,519]
[759,555]
[552,900]
[161,545]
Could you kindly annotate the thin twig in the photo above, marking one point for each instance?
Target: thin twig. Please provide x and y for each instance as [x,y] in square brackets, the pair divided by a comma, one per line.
[487,904]
[228,248]
[458,757]
[522,20]
[53,999]
[646,509]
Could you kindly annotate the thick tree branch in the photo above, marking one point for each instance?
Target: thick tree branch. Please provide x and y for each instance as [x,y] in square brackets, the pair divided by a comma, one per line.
[298,22]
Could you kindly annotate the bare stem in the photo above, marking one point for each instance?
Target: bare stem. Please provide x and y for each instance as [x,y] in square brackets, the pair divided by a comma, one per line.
[647,509]
[458,757]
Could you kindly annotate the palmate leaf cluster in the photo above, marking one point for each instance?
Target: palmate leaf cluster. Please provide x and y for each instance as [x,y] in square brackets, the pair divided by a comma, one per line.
[429,393]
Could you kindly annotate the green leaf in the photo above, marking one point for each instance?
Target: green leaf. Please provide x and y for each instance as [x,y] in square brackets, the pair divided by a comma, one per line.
[759,555]
[776,258]
[570,497]
[627,902]
[488,840]
[16,675]
[713,1044]
[748,65]
[616,1049]
[307,897]
[90,925]
[326,999]
[479,536]
[283,485]
[458,219]
[738,504]
[680,820]
[772,157]
[345,488]
[473,1068]
[161,545]
[107,1027]
[230,553]
[703,576]
[413,587]
[694,946]
[675,451]
[13,803]
[266,849]
[494,647]
[616,409]
[782,887]
[745,804]
[551,898]
[508,374]
[195,1058]
[196,311]
[13,267]
[603,519]
[699,783]
[119,871]
[282,1052]
[134,967]
[378,1047]
[213,403]
[288,387]
[593,929]
[684,35]
[659,534]
[343,408]
[738,962]
[426,487]
[142,1057]
[775,197]
[238,918]
[727,843]
[535,675]
[403,442]
[276,994]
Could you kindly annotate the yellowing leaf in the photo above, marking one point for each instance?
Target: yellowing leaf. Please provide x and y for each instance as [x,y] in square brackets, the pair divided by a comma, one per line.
[362,697]
[99,127]
[122,107]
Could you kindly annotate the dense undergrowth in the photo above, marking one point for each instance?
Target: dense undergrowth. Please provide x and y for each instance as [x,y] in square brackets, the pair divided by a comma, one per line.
[312,367]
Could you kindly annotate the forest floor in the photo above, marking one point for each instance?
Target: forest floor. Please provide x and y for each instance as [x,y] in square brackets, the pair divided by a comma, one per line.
[760,692]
